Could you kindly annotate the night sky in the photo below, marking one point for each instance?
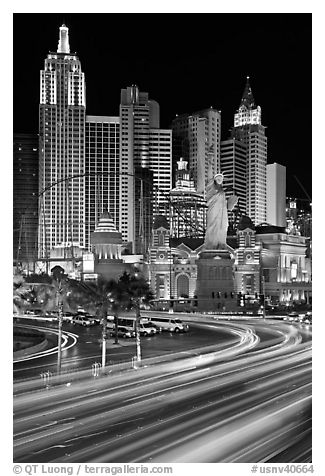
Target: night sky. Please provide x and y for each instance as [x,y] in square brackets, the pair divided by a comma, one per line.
[186,62]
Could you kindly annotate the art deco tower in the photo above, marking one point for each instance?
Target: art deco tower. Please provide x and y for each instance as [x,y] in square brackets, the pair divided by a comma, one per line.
[249,130]
[61,148]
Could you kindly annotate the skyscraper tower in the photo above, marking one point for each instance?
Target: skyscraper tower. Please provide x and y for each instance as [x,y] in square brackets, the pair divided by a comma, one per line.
[143,145]
[233,166]
[25,192]
[276,194]
[249,130]
[193,136]
[62,112]
[102,165]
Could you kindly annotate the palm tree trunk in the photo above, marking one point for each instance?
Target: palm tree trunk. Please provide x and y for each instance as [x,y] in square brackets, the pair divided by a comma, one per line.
[137,331]
[104,339]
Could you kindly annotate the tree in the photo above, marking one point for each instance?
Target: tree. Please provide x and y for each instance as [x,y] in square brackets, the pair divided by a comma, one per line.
[22,293]
[56,296]
[105,296]
[57,293]
[138,291]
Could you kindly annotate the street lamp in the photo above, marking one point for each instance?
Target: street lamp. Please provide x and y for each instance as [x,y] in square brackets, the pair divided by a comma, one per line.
[171,310]
[262,296]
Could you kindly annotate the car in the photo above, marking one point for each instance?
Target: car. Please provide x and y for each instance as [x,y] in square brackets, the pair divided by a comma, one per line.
[293,316]
[146,329]
[308,319]
[124,332]
[169,324]
[83,321]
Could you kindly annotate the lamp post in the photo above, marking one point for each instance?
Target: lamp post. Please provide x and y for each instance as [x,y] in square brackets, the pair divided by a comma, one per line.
[263,288]
[262,295]
[171,310]
[104,330]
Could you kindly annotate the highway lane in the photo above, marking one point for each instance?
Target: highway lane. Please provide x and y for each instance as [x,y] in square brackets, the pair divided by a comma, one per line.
[87,349]
[139,418]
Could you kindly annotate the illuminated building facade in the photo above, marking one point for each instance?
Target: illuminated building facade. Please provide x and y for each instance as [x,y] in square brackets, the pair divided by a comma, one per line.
[194,135]
[184,265]
[105,259]
[298,217]
[249,130]
[102,167]
[62,117]
[172,268]
[143,209]
[25,202]
[276,194]
[284,264]
[233,159]
[160,162]
[187,207]
[161,259]
[247,260]
[266,261]
[143,144]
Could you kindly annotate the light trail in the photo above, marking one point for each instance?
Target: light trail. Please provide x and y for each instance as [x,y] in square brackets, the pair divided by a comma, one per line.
[52,350]
[205,408]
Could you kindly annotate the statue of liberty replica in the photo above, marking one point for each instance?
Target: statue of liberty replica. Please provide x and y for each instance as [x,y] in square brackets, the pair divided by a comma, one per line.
[215,287]
[217,214]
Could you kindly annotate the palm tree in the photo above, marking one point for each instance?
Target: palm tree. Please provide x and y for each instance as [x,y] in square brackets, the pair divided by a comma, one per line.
[57,293]
[22,293]
[105,296]
[139,292]
[57,296]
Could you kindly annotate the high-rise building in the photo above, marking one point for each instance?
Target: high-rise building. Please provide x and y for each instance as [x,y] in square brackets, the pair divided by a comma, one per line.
[187,207]
[143,205]
[160,150]
[249,130]
[194,136]
[102,167]
[276,194]
[25,193]
[62,117]
[143,144]
[233,165]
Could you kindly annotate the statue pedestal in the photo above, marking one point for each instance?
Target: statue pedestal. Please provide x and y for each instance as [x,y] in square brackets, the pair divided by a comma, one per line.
[215,284]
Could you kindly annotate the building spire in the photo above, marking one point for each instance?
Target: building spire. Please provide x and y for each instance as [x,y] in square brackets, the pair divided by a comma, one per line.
[248,98]
[63,45]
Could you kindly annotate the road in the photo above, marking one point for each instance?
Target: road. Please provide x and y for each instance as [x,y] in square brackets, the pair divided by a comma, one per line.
[82,347]
[248,402]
